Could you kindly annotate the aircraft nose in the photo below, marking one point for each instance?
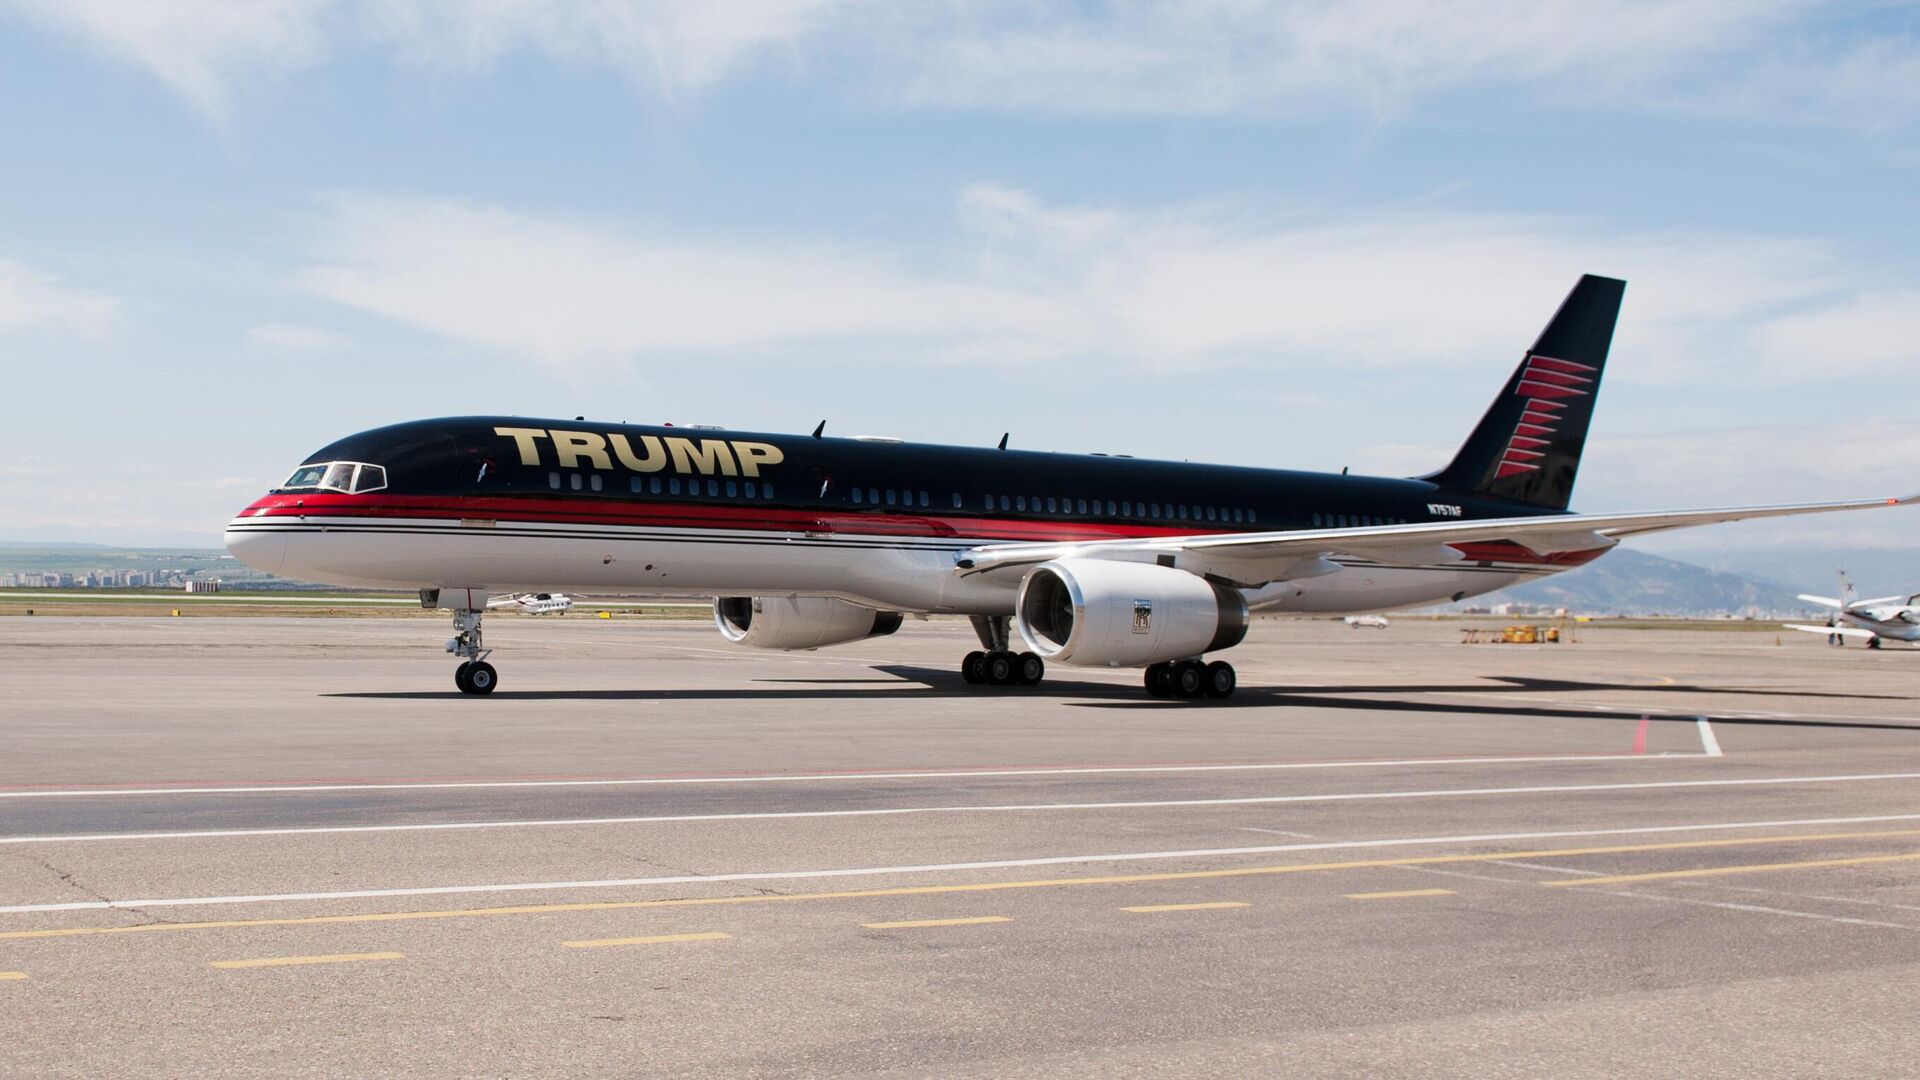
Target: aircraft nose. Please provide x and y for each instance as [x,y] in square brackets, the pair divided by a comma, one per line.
[259,549]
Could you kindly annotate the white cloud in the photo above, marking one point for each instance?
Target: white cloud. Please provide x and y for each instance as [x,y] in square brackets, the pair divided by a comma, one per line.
[1775,59]
[194,46]
[290,337]
[32,299]
[200,48]
[1173,290]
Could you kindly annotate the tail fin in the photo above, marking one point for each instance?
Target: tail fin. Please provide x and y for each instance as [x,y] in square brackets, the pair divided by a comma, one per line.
[1527,447]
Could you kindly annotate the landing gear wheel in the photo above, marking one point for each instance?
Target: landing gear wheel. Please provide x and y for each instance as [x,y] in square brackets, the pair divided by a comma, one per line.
[1000,668]
[974,667]
[460,677]
[1873,643]
[1220,679]
[1189,679]
[481,678]
[1029,669]
[1159,680]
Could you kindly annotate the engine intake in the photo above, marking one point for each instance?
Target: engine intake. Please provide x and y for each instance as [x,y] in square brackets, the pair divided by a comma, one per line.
[1098,613]
[798,622]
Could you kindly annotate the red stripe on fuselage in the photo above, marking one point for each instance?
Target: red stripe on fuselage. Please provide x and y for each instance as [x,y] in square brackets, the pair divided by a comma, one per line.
[744,518]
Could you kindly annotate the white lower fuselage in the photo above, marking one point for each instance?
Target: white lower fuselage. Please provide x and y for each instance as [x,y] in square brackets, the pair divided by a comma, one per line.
[914,574]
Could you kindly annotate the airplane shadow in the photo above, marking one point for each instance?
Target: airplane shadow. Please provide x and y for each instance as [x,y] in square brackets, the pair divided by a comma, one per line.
[914,683]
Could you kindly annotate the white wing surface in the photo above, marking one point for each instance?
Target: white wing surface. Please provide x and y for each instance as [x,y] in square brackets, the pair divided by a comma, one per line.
[1253,559]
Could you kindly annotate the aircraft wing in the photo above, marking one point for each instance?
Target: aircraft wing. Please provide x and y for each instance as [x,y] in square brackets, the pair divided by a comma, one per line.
[1252,559]
[1879,601]
[1843,631]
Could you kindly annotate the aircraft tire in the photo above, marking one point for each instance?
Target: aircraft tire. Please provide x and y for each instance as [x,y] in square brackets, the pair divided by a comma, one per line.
[1029,669]
[974,668]
[481,679]
[1189,679]
[460,676]
[1000,668]
[1873,643]
[1159,680]
[1221,679]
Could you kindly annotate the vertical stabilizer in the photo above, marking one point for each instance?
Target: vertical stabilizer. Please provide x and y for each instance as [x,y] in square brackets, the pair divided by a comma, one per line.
[1527,447]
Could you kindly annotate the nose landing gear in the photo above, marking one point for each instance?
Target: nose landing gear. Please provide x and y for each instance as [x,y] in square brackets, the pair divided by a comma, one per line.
[474,675]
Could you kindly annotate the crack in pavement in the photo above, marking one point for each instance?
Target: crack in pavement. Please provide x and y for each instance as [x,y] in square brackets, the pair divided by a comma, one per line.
[67,879]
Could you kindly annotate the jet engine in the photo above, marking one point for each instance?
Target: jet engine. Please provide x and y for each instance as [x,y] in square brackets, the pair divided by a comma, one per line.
[798,622]
[1097,613]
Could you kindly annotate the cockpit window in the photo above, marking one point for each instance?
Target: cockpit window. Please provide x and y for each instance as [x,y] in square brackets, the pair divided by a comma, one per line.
[342,476]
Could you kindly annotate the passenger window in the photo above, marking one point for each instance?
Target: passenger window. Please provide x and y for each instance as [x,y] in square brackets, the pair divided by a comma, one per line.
[1003,502]
[634,484]
[1112,510]
[1126,508]
[713,488]
[732,491]
[1020,502]
[857,498]
[653,485]
[1052,506]
[1153,510]
[890,497]
[595,481]
[673,486]
[956,500]
[1251,518]
[766,491]
[553,480]
[873,496]
[924,501]
[573,481]
[750,489]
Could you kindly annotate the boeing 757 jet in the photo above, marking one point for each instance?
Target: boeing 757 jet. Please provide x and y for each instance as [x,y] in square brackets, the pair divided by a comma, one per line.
[806,541]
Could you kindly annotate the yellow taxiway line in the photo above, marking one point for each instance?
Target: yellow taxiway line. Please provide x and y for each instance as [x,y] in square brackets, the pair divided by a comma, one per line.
[915,924]
[1403,894]
[657,939]
[1721,871]
[1217,905]
[12,976]
[938,890]
[294,961]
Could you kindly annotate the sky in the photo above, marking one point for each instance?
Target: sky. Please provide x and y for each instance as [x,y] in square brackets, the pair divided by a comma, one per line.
[1309,235]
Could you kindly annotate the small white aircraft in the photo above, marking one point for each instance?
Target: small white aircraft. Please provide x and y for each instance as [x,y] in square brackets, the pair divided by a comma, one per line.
[1896,617]
[533,603]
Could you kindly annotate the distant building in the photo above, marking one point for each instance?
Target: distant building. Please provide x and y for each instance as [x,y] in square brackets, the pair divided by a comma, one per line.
[203,585]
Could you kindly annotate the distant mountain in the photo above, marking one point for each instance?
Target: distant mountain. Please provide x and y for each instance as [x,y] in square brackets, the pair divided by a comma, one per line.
[1628,582]
[1875,571]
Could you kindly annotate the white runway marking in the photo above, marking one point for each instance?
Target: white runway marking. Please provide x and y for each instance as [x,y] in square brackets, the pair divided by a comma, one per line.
[903,811]
[782,778]
[993,864]
[1708,744]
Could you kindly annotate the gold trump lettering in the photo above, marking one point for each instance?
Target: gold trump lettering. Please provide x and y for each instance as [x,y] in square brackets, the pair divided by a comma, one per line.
[654,461]
[713,456]
[644,453]
[570,446]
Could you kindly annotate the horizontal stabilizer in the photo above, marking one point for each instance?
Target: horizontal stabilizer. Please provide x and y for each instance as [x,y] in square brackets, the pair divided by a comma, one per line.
[1823,601]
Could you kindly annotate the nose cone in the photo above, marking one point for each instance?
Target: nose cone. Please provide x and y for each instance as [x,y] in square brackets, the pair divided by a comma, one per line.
[249,541]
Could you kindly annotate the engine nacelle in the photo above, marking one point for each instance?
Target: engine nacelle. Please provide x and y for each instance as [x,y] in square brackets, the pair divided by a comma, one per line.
[798,622]
[1098,613]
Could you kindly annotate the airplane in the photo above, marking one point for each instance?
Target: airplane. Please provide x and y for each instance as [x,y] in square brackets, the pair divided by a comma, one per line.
[1097,560]
[1895,617]
[542,603]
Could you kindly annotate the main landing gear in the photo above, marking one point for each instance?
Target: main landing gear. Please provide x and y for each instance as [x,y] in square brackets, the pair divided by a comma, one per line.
[474,675]
[999,665]
[1191,679]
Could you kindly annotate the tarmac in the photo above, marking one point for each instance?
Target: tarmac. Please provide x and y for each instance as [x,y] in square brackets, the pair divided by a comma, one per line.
[288,847]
